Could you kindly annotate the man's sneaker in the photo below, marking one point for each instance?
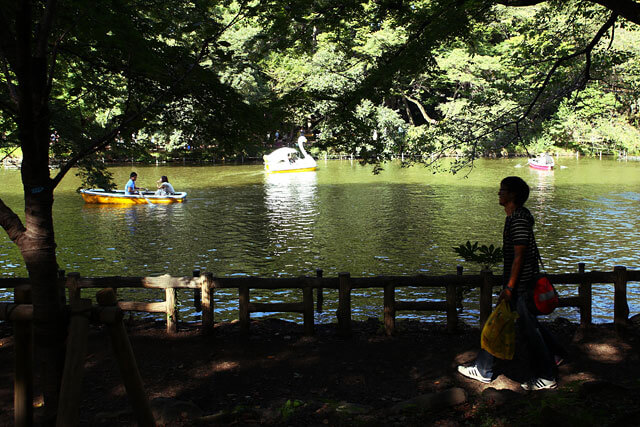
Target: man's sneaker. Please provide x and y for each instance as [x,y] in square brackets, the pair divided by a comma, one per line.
[473,373]
[539,384]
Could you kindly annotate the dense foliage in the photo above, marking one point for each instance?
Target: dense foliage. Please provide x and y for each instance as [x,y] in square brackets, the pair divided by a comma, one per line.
[416,79]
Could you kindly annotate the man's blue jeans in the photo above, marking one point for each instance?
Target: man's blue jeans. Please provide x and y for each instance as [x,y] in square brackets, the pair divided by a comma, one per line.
[542,346]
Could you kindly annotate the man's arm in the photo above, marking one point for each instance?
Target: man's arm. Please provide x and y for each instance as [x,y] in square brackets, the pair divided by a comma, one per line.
[516,267]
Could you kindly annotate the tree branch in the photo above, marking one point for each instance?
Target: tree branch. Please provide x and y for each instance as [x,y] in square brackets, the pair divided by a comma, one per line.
[422,110]
[11,88]
[44,30]
[519,3]
[7,41]
[100,143]
[586,51]
[11,223]
[628,9]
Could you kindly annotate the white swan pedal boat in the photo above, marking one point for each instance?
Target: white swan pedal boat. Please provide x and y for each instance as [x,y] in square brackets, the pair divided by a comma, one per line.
[119,197]
[287,159]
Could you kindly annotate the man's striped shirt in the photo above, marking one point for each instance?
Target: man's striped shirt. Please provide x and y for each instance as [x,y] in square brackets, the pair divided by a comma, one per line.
[518,230]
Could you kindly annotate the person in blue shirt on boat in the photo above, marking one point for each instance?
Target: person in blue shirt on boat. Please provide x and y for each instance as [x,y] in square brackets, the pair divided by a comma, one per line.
[131,188]
[164,188]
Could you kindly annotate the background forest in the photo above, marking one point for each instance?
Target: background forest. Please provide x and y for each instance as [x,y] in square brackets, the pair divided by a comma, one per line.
[372,79]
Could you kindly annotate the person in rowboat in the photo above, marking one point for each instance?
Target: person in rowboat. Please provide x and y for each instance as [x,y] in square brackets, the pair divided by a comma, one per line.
[131,188]
[164,188]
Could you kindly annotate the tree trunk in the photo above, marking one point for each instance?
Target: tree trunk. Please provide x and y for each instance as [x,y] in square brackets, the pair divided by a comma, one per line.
[38,251]
[37,243]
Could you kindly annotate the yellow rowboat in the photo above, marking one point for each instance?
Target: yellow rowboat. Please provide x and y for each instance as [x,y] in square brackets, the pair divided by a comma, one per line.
[118,197]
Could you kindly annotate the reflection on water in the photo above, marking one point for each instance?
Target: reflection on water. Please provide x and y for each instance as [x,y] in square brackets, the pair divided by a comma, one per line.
[238,221]
[292,208]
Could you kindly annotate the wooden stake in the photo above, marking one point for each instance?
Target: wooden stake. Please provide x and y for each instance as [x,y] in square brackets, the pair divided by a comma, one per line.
[127,363]
[73,285]
[172,310]
[452,313]
[584,294]
[344,304]
[620,305]
[319,291]
[197,294]
[307,301]
[389,309]
[71,388]
[243,303]
[23,379]
[486,296]
[207,303]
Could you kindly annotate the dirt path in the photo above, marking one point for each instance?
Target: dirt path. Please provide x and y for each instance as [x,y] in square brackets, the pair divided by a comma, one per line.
[278,377]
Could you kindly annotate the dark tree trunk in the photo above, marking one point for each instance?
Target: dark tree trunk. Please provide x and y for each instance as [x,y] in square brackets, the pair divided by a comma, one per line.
[37,242]
[38,251]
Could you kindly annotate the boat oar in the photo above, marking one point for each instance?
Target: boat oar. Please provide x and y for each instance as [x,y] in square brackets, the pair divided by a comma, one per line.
[142,195]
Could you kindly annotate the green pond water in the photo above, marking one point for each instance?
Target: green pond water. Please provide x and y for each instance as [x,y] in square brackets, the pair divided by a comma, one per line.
[237,221]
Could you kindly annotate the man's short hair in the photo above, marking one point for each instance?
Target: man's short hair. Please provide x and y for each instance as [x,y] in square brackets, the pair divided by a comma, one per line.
[132,174]
[517,186]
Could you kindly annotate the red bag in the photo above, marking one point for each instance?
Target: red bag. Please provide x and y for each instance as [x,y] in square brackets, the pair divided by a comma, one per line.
[545,297]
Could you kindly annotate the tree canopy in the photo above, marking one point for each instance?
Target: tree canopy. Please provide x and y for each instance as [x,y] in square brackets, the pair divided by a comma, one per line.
[377,78]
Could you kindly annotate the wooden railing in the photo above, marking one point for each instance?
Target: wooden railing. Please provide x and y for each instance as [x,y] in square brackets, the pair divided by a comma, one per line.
[206,285]
[81,311]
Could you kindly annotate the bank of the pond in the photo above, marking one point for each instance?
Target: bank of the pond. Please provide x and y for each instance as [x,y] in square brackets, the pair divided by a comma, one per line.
[278,377]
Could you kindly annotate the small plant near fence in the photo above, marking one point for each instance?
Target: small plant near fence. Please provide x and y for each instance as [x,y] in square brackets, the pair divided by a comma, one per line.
[488,257]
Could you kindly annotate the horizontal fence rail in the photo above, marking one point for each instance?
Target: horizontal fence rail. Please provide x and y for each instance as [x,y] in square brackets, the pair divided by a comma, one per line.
[205,286]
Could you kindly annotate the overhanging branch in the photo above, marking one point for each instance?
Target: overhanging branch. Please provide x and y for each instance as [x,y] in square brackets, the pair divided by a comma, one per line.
[11,223]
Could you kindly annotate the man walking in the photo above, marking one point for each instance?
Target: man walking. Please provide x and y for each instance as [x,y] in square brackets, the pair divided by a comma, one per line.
[520,267]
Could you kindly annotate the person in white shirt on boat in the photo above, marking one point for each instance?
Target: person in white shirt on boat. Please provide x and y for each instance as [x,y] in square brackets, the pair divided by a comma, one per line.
[131,188]
[164,188]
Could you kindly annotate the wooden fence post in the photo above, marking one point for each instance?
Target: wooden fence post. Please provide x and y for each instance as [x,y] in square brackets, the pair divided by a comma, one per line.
[307,302]
[197,294]
[71,387]
[245,316]
[452,312]
[23,379]
[62,288]
[73,285]
[127,362]
[171,310]
[620,305]
[319,290]
[344,304]
[389,308]
[207,289]
[486,296]
[584,294]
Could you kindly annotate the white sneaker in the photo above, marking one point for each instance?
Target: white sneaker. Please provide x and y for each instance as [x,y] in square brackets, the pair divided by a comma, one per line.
[473,373]
[539,384]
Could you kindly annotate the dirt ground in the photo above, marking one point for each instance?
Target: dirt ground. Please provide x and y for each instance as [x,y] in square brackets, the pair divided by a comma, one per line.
[276,376]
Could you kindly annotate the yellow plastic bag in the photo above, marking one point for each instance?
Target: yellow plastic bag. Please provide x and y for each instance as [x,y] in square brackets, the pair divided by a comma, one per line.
[499,333]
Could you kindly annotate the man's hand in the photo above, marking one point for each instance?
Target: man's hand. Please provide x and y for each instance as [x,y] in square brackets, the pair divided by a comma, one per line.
[506,295]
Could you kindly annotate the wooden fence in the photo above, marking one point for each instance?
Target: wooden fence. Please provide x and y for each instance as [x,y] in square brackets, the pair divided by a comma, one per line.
[81,311]
[205,287]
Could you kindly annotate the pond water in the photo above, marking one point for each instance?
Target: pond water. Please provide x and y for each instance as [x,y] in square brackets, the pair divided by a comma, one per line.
[238,221]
